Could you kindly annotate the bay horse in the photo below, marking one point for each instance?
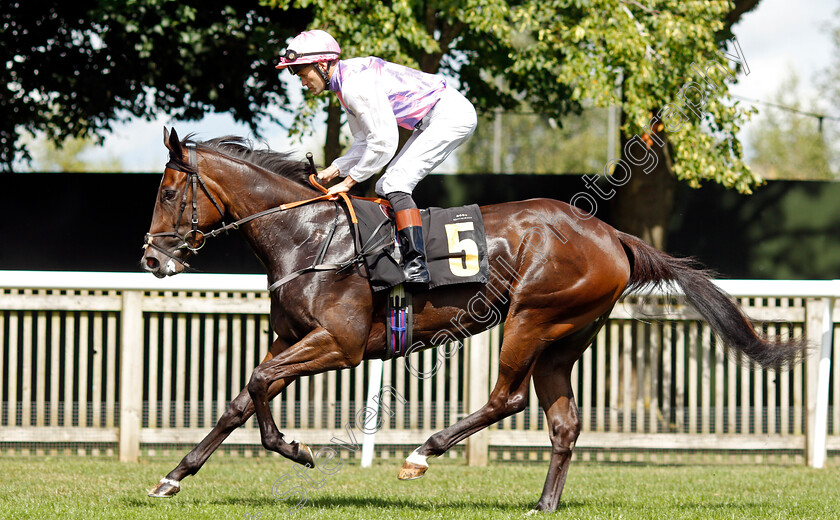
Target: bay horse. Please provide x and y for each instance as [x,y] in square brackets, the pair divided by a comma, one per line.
[554,298]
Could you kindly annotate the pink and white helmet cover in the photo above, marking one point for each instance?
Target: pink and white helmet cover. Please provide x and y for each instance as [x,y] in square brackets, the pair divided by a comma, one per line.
[310,47]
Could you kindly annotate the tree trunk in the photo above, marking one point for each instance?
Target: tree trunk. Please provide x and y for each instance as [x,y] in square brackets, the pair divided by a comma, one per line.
[332,146]
[643,207]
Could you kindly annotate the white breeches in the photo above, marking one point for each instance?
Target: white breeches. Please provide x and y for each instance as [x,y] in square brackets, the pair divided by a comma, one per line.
[447,125]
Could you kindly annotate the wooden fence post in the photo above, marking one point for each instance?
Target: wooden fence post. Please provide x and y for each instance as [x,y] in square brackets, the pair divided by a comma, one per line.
[817,369]
[478,392]
[131,375]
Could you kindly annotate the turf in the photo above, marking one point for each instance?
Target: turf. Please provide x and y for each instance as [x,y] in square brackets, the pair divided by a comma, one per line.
[235,488]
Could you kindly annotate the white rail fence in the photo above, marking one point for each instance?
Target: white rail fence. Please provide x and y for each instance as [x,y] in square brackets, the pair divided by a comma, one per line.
[127,360]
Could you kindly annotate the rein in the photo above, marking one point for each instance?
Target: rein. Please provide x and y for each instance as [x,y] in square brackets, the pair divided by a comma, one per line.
[194,239]
[290,205]
[361,249]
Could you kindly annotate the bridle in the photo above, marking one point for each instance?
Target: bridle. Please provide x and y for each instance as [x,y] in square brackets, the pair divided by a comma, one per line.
[194,239]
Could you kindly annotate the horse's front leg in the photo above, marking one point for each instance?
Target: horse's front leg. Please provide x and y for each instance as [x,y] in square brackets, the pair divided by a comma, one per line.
[239,411]
[319,351]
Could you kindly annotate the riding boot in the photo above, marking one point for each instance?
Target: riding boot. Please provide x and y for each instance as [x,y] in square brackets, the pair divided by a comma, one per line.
[410,234]
[414,255]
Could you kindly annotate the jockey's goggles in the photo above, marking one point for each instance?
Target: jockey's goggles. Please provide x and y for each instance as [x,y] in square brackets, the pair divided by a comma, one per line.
[291,55]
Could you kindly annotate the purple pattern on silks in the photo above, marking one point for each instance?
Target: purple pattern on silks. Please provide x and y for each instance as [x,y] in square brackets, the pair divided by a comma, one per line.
[412,93]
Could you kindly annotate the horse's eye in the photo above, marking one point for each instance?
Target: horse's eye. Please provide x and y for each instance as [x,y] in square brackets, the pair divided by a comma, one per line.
[167,195]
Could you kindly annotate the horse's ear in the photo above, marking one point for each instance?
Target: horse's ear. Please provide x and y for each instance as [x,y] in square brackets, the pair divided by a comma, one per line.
[172,142]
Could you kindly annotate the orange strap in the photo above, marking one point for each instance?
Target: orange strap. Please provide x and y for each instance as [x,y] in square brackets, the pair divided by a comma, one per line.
[408,218]
[377,200]
[332,197]
[291,205]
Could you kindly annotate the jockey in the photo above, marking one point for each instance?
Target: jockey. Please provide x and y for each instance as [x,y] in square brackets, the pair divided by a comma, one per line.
[378,96]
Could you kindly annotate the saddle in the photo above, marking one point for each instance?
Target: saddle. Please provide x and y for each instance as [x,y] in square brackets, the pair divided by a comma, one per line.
[456,253]
[456,246]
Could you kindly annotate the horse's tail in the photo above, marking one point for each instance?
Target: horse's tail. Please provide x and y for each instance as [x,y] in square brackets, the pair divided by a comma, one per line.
[651,267]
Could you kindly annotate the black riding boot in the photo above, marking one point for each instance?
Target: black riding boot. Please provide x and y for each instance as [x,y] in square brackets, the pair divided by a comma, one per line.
[414,255]
[410,235]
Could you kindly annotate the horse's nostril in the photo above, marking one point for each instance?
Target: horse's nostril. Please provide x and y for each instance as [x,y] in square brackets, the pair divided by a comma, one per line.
[152,262]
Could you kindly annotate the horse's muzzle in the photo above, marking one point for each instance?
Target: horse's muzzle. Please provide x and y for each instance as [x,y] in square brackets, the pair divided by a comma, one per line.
[162,265]
[152,265]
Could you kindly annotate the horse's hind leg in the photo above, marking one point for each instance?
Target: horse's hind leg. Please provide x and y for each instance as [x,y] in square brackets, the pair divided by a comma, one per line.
[509,396]
[554,390]
[521,346]
[240,410]
[552,383]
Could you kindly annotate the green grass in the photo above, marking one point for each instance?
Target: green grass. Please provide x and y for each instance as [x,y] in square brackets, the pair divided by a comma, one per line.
[70,487]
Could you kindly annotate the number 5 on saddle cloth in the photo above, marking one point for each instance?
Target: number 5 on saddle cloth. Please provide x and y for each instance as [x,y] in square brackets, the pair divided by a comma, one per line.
[456,253]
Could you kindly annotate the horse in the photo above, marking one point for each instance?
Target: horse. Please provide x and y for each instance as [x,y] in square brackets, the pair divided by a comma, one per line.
[553,298]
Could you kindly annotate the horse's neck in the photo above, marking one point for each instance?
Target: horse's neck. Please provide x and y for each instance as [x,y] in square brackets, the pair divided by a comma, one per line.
[249,190]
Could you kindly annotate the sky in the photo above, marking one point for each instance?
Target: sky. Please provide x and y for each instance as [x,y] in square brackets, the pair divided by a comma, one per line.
[777,37]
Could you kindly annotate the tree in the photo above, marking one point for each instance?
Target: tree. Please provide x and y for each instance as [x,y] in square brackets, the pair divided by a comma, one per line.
[74,68]
[788,144]
[678,121]
[661,63]
[829,86]
[830,80]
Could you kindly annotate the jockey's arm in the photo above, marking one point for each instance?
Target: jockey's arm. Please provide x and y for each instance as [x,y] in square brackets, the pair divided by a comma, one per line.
[372,121]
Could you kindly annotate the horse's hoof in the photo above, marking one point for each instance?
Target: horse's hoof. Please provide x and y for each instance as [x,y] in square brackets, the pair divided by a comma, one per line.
[305,455]
[411,471]
[165,488]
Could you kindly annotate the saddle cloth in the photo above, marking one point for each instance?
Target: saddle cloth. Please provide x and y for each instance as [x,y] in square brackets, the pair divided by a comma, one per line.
[456,246]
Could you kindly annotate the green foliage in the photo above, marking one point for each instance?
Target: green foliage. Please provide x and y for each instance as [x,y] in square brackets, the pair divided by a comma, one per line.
[557,55]
[74,68]
[830,81]
[789,145]
[648,50]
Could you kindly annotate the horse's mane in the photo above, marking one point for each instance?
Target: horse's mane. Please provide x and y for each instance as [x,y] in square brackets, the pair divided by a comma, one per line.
[241,149]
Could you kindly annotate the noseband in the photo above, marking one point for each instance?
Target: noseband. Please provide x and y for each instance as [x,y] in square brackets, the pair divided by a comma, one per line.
[193,239]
